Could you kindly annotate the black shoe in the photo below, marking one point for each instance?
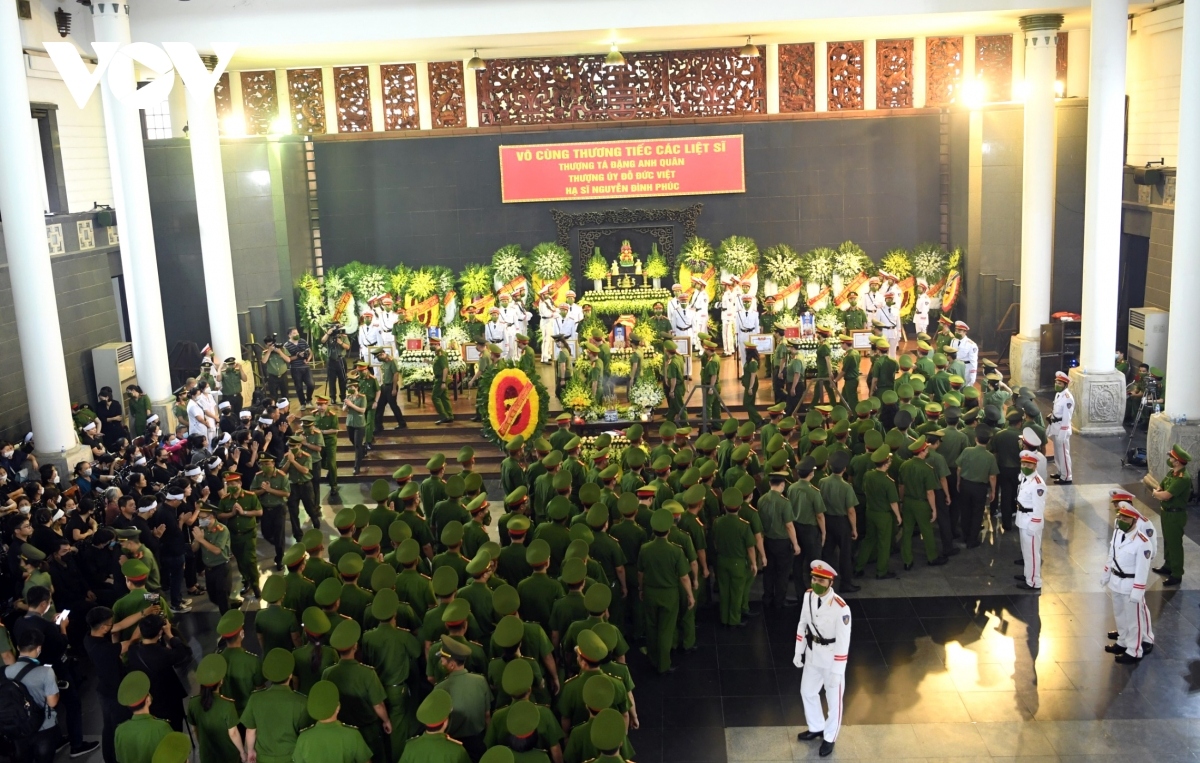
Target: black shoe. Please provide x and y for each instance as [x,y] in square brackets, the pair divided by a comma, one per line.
[850,588]
[1026,587]
[1114,649]
[1147,647]
[938,562]
[83,749]
[475,418]
[739,624]
[1163,570]
[808,736]
[826,749]
[1113,635]
[402,425]
[889,576]
[1128,659]
[1019,562]
[1172,581]
[279,566]
[1018,577]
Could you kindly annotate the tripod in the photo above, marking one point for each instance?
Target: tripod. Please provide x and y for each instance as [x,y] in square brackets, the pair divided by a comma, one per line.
[1150,403]
[706,424]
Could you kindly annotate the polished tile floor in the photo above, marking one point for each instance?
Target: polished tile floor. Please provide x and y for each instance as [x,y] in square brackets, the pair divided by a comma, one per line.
[947,663]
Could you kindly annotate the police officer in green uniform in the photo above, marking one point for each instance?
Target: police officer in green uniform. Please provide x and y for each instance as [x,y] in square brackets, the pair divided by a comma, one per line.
[710,377]
[330,740]
[245,670]
[394,654]
[435,745]
[326,423]
[312,659]
[851,361]
[273,488]
[276,626]
[883,515]
[363,700]
[662,569]
[136,739]
[977,472]
[213,717]
[301,487]
[736,549]
[354,600]
[918,487]
[441,377]
[1173,493]
[539,591]
[240,510]
[470,695]
[275,716]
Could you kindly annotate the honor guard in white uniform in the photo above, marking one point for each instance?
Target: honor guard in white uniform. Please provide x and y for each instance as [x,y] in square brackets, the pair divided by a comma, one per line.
[387,318]
[368,335]
[747,324]
[562,325]
[1032,442]
[574,311]
[822,646]
[891,286]
[729,308]
[1130,554]
[921,309]
[547,312]
[968,351]
[493,330]
[873,300]
[525,314]
[888,316]
[1059,429]
[1117,496]
[1030,519]
[698,304]
[681,323]
[510,318]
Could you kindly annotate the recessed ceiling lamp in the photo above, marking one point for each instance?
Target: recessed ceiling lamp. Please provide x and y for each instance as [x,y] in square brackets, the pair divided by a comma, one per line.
[476,63]
[614,57]
[749,50]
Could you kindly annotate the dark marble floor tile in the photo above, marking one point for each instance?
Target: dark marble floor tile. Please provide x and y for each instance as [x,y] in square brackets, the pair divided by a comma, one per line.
[891,629]
[647,744]
[995,706]
[753,711]
[885,608]
[699,711]
[693,745]
[937,606]
[958,628]
[752,633]
[1062,705]
[738,657]
[744,682]
[704,657]
[691,683]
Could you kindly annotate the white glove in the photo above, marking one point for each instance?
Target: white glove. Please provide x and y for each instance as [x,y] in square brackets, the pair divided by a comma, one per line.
[798,660]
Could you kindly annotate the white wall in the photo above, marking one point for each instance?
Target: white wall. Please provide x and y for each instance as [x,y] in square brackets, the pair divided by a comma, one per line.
[1152,82]
[80,131]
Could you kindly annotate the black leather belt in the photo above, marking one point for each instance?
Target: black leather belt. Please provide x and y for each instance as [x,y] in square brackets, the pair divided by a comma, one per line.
[1122,575]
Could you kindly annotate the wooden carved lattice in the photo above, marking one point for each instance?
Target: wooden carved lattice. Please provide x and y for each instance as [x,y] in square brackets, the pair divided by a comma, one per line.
[716,83]
[260,102]
[845,62]
[993,65]
[447,96]
[943,70]
[797,78]
[352,87]
[224,98]
[526,91]
[401,110]
[1060,60]
[894,74]
[307,96]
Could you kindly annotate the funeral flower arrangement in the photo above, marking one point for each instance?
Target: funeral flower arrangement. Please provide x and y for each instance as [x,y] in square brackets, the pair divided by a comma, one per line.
[850,260]
[656,266]
[548,261]
[597,268]
[781,264]
[639,299]
[475,281]
[817,266]
[697,254]
[646,395]
[737,254]
[507,264]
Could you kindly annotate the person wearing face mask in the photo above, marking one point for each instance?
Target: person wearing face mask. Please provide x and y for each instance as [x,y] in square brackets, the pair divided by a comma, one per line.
[212,540]
[968,351]
[1060,427]
[168,524]
[1173,492]
[1125,571]
[1030,521]
[14,461]
[822,646]
[110,414]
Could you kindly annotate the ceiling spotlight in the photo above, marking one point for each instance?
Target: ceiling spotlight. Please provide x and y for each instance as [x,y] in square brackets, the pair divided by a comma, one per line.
[476,63]
[614,57]
[749,50]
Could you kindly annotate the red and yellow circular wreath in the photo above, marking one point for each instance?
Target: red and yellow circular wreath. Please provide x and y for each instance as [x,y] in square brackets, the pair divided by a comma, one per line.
[513,405]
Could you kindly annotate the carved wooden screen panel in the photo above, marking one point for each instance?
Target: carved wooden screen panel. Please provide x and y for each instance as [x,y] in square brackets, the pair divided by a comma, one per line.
[401,109]
[447,95]
[307,96]
[993,65]
[1060,61]
[638,90]
[528,91]
[943,70]
[797,78]
[894,74]
[260,102]
[845,63]
[224,98]
[716,83]
[352,86]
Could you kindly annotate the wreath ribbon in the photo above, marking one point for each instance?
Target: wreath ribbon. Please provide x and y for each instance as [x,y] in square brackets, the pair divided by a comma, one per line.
[514,409]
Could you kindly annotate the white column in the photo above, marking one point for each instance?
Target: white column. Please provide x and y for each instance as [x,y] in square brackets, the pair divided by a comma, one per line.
[139,262]
[329,93]
[375,83]
[920,76]
[208,176]
[34,302]
[1098,387]
[1037,194]
[470,95]
[1183,395]
[821,75]
[424,102]
[870,76]
[771,61]
[1078,59]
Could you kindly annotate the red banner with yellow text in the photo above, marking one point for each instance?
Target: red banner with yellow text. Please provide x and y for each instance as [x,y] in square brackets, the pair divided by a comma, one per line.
[619,169]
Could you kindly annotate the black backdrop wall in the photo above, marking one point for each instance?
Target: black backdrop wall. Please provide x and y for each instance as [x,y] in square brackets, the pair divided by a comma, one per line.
[436,200]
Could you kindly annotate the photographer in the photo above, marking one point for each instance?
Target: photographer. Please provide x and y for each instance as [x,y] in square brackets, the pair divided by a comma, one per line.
[301,355]
[1135,394]
[275,362]
[337,344]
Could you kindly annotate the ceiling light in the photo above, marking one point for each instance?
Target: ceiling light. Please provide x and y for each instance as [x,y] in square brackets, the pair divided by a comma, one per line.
[476,63]
[614,57]
[1060,88]
[62,20]
[281,125]
[749,50]
[232,126]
